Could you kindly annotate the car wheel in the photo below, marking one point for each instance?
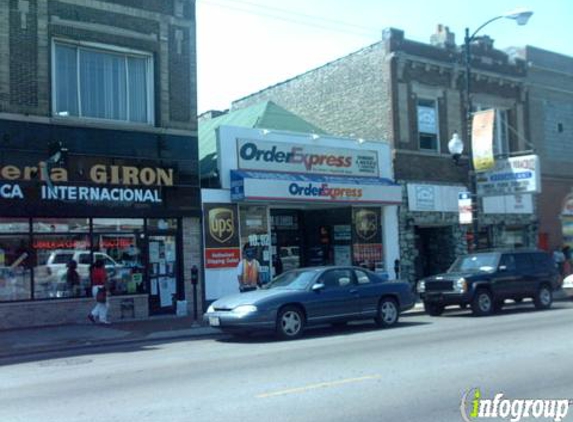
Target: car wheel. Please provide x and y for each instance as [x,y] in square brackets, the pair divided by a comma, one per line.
[482,304]
[544,297]
[433,309]
[290,323]
[388,313]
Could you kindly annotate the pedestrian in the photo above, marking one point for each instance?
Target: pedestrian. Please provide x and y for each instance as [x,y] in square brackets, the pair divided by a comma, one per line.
[99,293]
[73,278]
[248,271]
[278,264]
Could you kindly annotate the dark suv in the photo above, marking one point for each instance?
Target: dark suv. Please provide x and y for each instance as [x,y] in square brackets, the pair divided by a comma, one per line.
[484,280]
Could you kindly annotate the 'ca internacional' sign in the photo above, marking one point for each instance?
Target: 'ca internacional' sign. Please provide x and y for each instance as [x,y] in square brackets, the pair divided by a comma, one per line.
[513,175]
[299,158]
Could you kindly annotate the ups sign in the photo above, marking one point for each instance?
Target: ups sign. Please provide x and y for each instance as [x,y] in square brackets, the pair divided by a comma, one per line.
[366,225]
[221,226]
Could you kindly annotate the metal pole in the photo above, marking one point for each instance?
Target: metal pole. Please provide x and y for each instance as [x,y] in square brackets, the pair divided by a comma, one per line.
[471,172]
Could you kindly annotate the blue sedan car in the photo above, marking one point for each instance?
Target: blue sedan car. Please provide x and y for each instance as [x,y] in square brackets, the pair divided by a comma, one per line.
[312,296]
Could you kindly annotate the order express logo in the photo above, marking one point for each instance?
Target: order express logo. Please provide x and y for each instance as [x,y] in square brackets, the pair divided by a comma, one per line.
[221,224]
[250,152]
[324,190]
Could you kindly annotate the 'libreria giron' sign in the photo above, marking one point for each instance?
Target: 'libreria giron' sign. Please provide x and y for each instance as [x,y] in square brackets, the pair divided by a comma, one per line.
[123,183]
[298,158]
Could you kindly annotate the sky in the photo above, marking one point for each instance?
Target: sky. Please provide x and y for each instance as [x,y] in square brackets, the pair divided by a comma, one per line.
[244,46]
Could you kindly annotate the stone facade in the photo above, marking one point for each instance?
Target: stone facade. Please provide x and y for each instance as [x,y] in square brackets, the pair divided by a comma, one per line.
[374,94]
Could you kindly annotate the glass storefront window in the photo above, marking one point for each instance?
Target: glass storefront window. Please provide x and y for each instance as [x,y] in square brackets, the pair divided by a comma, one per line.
[15,268]
[255,233]
[53,254]
[14,225]
[117,224]
[162,224]
[123,259]
[61,225]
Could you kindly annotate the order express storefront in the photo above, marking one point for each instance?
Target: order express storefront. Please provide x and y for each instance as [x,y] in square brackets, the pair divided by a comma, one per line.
[301,201]
[69,193]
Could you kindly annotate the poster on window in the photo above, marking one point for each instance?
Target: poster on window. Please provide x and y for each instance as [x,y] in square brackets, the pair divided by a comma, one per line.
[482,139]
[221,230]
[367,237]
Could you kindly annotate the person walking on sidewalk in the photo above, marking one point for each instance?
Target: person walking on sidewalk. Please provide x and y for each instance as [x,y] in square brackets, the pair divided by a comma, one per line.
[99,279]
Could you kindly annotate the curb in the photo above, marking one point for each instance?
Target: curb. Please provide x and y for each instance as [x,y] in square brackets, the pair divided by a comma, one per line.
[86,345]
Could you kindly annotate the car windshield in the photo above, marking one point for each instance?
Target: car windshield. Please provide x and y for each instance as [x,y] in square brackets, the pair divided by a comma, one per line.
[478,262]
[292,280]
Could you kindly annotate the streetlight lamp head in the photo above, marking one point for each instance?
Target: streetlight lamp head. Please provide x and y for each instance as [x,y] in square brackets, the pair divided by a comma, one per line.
[456,147]
[521,16]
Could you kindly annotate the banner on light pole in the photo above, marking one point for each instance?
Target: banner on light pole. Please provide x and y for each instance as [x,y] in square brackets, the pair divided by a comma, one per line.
[465,207]
[482,139]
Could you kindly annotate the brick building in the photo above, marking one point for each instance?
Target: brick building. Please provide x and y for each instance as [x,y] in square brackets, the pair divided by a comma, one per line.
[550,79]
[411,95]
[98,157]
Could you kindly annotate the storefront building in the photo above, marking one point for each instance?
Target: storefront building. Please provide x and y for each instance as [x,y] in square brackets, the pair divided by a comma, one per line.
[302,200]
[98,158]
[132,212]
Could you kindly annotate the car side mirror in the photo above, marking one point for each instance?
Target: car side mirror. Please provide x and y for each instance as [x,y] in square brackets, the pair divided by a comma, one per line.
[317,287]
[503,268]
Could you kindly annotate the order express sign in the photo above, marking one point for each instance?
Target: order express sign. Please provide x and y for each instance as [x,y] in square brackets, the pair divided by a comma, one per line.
[297,158]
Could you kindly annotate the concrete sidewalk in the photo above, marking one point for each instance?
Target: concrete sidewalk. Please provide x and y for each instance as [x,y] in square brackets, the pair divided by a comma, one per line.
[29,341]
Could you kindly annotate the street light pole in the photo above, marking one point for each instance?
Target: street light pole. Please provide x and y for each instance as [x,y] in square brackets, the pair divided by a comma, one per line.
[521,16]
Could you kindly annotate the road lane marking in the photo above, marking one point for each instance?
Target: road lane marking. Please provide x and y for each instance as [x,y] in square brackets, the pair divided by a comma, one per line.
[317,386]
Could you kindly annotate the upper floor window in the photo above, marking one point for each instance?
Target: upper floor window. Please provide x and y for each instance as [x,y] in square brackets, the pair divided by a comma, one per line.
[427,111]
[97,83]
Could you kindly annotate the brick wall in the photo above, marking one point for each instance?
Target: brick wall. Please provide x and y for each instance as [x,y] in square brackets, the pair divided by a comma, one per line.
[165,29]
[73,311]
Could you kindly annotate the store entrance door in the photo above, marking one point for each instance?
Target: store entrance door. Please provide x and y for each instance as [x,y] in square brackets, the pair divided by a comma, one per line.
[162,273]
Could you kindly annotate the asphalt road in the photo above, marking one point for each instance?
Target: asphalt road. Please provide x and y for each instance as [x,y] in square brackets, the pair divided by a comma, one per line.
[417,371]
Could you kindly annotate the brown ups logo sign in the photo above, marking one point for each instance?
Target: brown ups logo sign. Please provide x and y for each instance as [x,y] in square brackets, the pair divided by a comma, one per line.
[366,222]
[221,224]
[221,235]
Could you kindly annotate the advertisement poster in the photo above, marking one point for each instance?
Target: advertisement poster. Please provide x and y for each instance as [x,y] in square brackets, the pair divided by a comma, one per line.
[221,228]
[366,237]
[342,255]
[482,139]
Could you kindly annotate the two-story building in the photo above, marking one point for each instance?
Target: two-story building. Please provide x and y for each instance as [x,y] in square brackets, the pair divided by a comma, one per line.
[98,157]
[411,94]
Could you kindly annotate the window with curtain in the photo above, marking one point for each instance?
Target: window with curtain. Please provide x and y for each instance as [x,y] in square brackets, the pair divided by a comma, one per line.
[102,84]
[427,112]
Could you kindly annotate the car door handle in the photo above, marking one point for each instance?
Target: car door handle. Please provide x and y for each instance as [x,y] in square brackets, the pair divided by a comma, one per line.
[353,291]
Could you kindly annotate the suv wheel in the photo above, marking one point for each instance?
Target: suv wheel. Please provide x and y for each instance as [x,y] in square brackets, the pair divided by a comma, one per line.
[544,297]
[433,309]
[482,304]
